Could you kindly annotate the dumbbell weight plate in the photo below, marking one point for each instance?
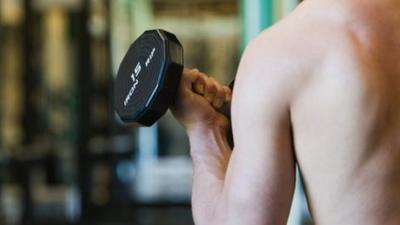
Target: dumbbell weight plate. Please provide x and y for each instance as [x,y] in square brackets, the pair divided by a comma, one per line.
[148,77]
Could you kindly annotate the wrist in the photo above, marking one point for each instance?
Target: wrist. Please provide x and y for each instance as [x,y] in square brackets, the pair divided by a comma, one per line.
[205,131]
[210,137]
[208,144]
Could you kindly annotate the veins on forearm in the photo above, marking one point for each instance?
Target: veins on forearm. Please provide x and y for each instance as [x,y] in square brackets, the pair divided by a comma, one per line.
[209,150]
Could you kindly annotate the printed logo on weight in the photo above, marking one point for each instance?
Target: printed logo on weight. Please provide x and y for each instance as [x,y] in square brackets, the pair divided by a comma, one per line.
[135,74]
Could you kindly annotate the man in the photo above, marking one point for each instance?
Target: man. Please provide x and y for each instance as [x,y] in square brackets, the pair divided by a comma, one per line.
[320,89]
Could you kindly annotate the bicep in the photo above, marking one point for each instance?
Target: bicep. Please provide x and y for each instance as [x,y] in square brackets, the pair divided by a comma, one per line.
[260,177]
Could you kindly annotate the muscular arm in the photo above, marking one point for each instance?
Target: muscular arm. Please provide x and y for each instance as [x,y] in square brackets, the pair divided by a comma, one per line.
[253,184]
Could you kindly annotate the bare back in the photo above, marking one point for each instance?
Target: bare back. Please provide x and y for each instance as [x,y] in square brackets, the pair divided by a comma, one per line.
[346,114]
[320,89]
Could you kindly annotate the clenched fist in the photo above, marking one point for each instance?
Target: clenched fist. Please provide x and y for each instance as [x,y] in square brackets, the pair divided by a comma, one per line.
[198,100]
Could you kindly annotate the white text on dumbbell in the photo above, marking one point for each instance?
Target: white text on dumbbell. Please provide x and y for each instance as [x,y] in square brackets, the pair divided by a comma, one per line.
[135,75]
[150,57]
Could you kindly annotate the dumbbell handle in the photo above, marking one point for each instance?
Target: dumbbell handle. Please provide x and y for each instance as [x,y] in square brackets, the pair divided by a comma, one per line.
[226,108]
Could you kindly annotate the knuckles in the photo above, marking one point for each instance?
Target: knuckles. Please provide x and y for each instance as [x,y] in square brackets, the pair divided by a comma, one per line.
[206,86]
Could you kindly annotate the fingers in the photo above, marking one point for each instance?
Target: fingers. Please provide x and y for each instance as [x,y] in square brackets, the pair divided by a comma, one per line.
[189,76]
[211,89]
[208,87]
[228,93]
[199,86]
[219,96]
[223,95]
[215,93]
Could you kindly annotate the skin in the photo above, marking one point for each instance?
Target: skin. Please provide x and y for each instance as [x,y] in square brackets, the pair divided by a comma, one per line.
[320,90]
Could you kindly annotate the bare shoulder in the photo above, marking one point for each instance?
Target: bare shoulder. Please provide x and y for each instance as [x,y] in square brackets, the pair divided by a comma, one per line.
[282,57]
[316,36]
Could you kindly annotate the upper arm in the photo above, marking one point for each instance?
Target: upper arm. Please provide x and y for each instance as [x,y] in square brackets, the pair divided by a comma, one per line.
[261,173]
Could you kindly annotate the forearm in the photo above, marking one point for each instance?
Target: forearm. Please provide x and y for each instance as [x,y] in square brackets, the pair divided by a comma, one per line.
[244,195]
[210,153]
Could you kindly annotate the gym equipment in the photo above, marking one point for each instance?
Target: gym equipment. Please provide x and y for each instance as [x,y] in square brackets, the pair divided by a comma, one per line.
[148,78]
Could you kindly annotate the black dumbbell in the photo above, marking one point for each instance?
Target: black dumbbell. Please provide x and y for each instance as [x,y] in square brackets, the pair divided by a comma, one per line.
[148,78]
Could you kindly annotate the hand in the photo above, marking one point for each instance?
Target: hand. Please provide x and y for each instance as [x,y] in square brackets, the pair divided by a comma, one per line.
[198,99]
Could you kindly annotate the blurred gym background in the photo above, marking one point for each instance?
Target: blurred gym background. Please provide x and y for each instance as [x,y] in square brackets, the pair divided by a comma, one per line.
[64,157]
